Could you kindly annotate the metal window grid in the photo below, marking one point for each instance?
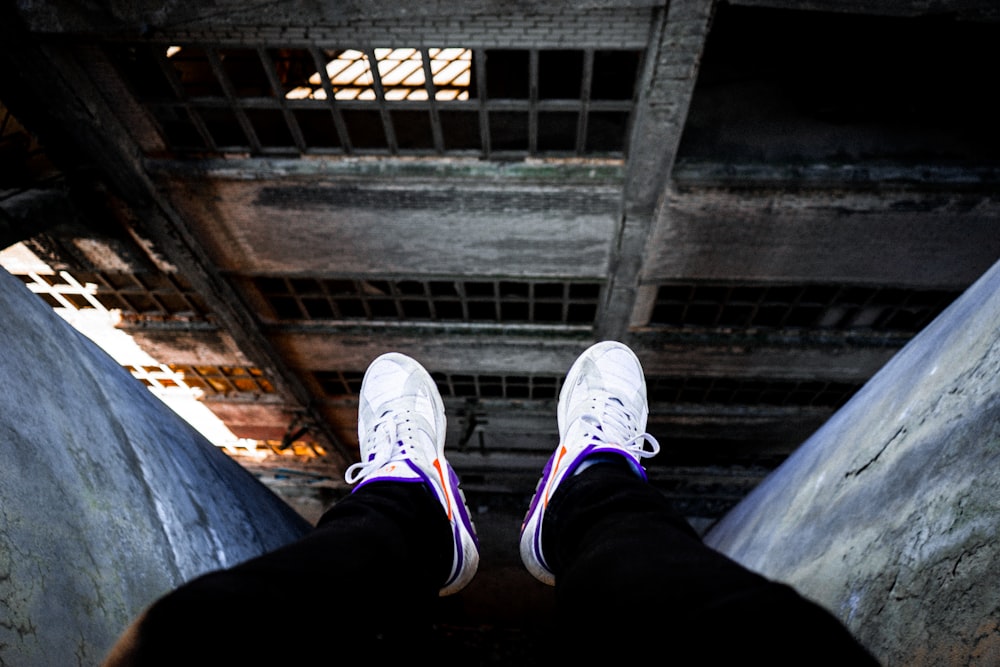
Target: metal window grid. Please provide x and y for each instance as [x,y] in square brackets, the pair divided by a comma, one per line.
[825,307]
[456,385]
[157,377]
[486,386]
[62,290]
[728,391]
[507,301]
[223,379]
[661,390]
[339,383]
[147,295]
[272,101]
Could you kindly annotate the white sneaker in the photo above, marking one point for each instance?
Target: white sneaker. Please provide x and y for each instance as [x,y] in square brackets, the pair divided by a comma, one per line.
[602,410]
[401,431]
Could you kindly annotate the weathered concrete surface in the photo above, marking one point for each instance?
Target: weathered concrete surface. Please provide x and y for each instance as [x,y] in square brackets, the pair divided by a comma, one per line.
[888,515]
[107,498]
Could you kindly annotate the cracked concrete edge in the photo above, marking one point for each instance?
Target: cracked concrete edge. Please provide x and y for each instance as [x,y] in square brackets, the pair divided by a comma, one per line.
[887,515]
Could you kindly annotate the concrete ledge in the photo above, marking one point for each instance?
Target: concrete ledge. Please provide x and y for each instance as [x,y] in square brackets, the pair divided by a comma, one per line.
[888,514]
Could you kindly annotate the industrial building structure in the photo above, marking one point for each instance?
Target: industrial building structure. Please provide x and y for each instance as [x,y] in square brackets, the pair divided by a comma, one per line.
[765,199]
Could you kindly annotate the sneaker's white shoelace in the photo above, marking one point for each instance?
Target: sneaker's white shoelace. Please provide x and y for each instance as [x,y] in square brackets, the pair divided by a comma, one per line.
[614,424]
[387,441]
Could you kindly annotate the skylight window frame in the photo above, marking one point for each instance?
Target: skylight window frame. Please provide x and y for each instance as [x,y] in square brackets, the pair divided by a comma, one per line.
[444,132]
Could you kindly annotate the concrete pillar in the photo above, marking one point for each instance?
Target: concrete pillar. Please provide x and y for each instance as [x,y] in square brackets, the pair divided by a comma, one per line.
[107,498]
[889,514]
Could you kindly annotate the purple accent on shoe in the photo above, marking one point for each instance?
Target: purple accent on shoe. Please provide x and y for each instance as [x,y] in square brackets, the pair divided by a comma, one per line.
[463,510]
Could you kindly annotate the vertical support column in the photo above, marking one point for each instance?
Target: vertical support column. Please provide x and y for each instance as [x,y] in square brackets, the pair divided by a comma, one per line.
[666,87]
[889,514]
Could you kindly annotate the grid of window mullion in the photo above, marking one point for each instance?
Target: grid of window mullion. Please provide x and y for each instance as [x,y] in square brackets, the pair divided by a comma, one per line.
[390,131]
[183,294]
[443,382]
[728,388]
[423,297]
[497,302]
[431,301]
[827,306]
[344,384]
[864,305]
[923,311]
[770,305]
[227,89]
[272,78]
[462,299]
[170,74]
[479,62]
[338,120]
[121,292]
[531,302]
[210,379]
[581,123]
[431,88]
[761,302]
[217,377]
[534,300]
[889,313]
[795,304]
[754,309]
[365,305]
[157,301]
[397,299]
[229,383]
[724,305]
[191,370]
[331,300]
[145,291]
[702,305]
[303,311]
[792,307]
[686,306]
[292,293]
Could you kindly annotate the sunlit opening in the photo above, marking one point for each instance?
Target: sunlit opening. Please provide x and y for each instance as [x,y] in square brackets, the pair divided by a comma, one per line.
[401,72]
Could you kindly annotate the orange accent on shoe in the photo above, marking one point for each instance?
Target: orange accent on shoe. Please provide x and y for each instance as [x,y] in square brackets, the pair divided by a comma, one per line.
[444,486]
[555,467]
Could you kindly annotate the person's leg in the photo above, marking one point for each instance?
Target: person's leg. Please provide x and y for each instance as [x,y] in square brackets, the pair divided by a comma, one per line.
[359,584]
[623,559]
[362,584]
[631,577]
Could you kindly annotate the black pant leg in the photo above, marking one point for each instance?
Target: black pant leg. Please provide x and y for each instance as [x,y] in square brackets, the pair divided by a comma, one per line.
[633,580]
[360,586]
